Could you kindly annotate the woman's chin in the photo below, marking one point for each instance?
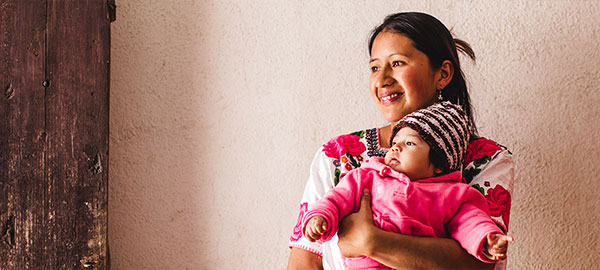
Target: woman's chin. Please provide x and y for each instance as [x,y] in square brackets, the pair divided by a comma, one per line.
[392,117]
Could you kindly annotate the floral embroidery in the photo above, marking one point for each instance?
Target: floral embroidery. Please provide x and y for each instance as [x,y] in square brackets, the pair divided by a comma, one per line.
[469,173]
[341,145]
[345,148]
[481,148]
[499,200]
[479,153]
[297,233]
[479,188]
[360,134]
[336,163]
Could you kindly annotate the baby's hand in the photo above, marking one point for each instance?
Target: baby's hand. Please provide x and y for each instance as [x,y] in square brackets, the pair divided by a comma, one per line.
[315,227]
[497,244]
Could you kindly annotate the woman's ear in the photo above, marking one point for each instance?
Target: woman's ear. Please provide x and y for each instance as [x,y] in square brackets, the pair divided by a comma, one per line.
[445,74]
[437,171]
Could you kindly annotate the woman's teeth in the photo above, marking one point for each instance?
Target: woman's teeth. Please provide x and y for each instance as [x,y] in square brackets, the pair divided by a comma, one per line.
[390,97]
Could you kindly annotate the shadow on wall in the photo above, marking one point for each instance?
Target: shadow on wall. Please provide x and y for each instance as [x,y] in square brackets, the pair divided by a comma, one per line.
[157,182]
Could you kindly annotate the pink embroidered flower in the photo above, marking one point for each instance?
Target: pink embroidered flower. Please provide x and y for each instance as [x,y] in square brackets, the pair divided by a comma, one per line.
[297,233]
[499,201]
[479,148]
[341,145]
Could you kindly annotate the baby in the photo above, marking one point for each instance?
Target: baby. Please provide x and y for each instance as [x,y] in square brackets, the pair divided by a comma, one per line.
[416,190]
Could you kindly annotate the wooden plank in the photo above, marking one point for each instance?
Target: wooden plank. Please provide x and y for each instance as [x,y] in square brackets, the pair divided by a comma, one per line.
[22,137]
[54,138]
[77,98]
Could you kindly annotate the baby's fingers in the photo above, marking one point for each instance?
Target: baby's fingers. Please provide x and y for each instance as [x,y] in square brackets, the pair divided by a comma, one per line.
[322,228]
[312,234]
[506,238]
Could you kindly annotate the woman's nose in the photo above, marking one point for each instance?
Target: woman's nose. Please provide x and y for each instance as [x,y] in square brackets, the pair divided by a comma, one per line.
[384,78]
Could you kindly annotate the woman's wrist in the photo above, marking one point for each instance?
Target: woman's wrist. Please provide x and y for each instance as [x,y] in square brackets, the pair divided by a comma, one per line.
[374,235]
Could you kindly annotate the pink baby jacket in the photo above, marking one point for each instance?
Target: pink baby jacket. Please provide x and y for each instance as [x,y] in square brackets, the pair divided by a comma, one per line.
[441,206]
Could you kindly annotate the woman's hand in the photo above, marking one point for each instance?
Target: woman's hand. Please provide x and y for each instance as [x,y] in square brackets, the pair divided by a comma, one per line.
[358,236]
[356,230]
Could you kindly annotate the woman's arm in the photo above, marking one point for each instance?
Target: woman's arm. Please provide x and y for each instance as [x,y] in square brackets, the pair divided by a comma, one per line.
[302,259]
[359,237]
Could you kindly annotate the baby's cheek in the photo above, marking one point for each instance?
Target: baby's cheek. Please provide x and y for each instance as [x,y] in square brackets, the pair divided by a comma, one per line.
[387,159]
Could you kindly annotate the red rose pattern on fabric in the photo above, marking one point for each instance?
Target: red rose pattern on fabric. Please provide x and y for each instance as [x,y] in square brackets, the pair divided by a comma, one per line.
[499,200]
[341,145]
[297,233]
[479,148]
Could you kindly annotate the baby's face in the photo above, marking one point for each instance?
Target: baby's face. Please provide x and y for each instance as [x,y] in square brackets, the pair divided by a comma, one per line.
[409,154]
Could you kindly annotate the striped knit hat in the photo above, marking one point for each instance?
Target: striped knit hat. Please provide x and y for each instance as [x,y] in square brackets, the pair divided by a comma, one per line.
[445,127]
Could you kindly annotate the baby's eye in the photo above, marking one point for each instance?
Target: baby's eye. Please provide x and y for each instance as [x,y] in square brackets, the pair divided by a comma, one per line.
[410,143]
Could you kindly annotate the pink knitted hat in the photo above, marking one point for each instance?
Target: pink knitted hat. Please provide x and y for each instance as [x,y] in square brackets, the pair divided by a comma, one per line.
[445,127]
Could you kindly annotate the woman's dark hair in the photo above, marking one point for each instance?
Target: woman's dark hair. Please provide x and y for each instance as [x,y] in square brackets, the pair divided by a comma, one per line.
[432,38]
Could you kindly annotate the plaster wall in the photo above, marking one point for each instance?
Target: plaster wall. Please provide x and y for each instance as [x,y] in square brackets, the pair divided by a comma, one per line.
[217,108]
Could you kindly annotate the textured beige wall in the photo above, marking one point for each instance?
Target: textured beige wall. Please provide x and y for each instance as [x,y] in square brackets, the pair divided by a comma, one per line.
[217,108]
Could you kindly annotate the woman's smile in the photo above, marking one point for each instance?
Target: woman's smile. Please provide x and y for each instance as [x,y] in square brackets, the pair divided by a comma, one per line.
[388,99]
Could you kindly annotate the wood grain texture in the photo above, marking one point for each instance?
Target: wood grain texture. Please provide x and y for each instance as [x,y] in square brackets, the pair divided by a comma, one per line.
[54,134]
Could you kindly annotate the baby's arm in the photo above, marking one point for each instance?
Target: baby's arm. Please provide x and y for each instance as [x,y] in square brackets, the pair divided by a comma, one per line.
[335,204]
[315,228]
[496,245]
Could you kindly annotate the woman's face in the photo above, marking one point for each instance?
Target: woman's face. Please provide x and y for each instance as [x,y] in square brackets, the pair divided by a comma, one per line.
[402,81]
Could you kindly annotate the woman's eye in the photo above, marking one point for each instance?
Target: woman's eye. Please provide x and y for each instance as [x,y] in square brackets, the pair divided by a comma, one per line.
[397,63]
[374,68]
[410,143]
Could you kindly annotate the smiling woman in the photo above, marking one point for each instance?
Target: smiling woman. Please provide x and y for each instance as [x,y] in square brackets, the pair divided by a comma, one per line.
[414,63]
[402,80]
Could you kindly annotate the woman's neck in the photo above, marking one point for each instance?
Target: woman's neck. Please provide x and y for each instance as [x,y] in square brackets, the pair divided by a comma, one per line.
[385,135]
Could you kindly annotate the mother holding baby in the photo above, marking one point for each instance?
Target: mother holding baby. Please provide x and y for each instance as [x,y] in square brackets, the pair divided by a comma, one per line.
[414,63]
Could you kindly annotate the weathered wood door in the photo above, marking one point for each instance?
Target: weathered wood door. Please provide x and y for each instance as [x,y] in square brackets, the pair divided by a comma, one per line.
[54,81]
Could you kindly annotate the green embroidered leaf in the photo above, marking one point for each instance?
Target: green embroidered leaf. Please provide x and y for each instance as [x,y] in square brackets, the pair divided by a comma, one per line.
[478,187]
[353,161]
[482,160]
[359,133]
[336,180]
[470,173]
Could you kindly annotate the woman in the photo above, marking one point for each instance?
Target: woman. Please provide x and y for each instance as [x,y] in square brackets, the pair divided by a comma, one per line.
[414,63]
